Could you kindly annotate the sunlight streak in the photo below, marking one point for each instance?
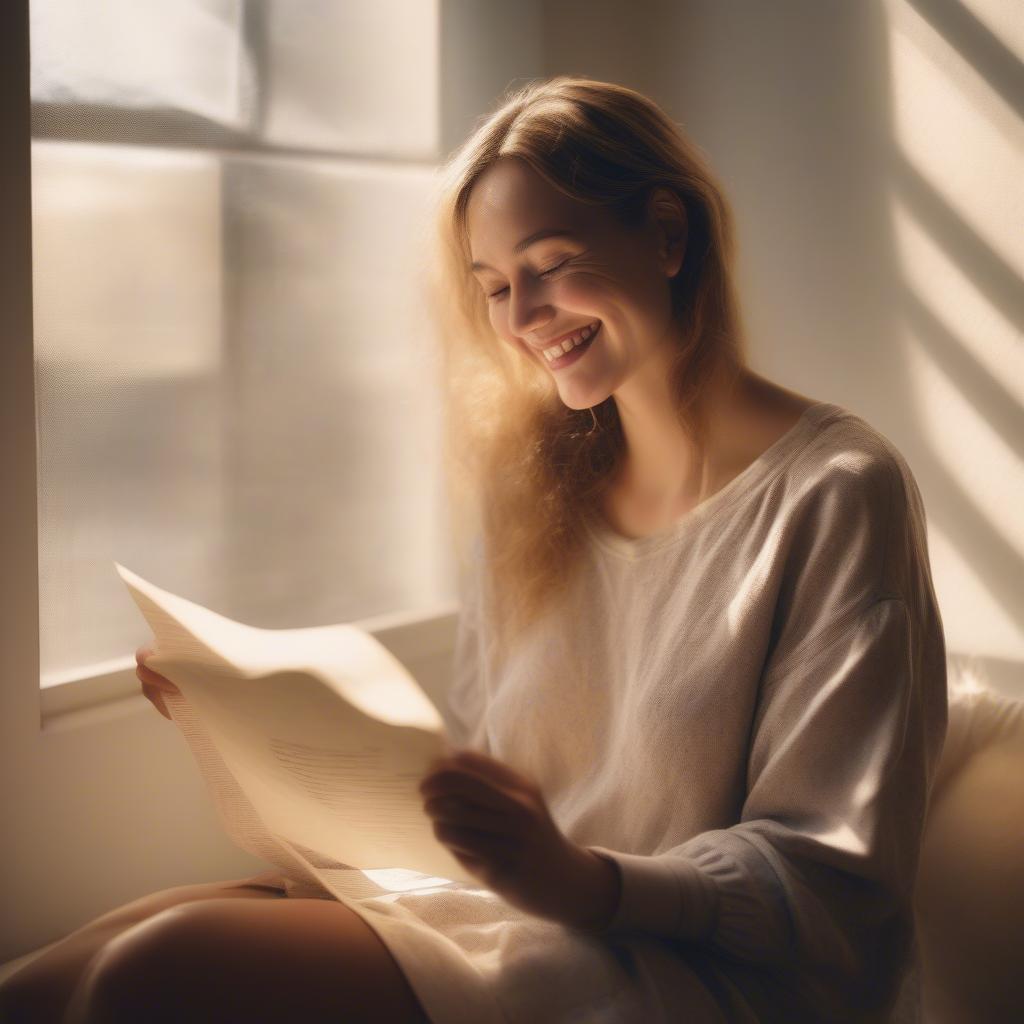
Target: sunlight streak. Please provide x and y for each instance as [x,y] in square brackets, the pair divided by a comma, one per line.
[971,451]
[942,284]
[956,129]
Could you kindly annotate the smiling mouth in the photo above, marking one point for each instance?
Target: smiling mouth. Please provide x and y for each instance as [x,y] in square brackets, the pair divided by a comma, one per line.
[580,338]
[575,353]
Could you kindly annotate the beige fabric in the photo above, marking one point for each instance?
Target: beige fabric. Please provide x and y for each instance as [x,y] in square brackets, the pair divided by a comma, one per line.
[970,891]
[745,712]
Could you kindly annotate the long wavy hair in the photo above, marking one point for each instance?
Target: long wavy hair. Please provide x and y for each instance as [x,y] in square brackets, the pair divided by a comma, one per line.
[523,471]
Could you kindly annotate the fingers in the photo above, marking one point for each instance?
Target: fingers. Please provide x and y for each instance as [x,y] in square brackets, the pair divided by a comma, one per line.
[494,774]
[456,811]
[141,654]
[452,781]
[154,685]
[491,768]
[468,861]
[147,675]
[155,697]
[492,847]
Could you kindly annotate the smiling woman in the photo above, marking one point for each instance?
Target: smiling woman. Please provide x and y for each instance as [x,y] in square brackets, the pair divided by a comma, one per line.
[700,640]
[578,215]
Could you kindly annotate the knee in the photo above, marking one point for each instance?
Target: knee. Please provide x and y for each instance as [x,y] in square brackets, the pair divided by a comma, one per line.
[147,972]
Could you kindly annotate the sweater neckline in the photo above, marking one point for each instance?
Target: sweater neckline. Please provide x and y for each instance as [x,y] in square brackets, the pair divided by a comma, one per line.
[764,466]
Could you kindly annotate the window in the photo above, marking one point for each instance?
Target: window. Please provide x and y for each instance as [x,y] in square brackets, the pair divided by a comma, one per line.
[233,380]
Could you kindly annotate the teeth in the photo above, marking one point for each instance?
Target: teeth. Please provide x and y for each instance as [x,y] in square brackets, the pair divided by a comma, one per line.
[569,343]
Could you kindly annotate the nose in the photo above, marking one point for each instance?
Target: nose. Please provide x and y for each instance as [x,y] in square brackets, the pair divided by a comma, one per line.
[526,309]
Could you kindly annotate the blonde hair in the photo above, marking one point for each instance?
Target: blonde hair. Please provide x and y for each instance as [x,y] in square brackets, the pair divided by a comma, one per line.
[523,470]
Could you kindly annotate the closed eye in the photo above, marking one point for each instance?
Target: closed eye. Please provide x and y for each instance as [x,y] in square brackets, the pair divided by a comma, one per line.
[543,273]
[551,270]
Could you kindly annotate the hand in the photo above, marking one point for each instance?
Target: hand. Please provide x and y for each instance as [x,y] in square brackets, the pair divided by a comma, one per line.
[497,825]
[154,685]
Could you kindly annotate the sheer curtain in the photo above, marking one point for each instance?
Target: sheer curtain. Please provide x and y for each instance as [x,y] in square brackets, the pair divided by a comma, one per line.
[235,391]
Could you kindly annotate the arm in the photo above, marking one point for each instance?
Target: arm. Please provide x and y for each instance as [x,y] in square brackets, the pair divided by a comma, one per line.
[851,714]
[836,801]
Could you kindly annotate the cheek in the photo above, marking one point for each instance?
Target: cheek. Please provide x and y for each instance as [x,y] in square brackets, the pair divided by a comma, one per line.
[498,320]
[499,324]
[598,292]
[581,292]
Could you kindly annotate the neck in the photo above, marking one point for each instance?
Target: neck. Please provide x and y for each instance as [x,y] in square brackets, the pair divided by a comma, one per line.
[662,464]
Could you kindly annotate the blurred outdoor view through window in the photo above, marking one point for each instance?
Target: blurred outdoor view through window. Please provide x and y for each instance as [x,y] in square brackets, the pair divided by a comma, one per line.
[234,396]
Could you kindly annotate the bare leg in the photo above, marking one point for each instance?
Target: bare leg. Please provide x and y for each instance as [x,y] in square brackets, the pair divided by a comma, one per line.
[39,990]
[223,961]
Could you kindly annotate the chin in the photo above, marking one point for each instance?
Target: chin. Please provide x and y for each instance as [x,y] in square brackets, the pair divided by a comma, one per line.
[580,402]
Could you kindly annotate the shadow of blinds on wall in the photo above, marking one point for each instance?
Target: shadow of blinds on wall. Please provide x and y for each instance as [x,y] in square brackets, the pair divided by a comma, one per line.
[235,390]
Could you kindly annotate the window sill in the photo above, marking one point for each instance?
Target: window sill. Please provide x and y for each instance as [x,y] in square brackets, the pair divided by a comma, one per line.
[412,637]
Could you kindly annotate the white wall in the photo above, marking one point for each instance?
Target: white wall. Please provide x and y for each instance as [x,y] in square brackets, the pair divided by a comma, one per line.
[486,46]
[102,803]
[874,154]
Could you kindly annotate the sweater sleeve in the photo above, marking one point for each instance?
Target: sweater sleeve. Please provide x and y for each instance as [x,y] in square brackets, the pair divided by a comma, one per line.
[848,727]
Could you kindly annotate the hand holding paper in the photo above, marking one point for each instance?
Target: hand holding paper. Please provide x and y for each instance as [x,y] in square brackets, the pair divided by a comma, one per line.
[312,741]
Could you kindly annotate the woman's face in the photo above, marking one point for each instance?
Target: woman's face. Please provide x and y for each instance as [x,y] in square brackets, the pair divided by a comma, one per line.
[540,289]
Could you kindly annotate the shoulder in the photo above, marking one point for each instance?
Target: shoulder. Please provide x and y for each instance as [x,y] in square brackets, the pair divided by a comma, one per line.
[851,525]
[851,480]
[849,463]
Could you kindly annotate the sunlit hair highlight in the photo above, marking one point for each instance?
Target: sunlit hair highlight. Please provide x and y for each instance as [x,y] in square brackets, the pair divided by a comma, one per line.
[524,472]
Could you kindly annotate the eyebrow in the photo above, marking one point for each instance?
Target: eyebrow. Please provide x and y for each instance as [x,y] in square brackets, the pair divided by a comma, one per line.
[537,236]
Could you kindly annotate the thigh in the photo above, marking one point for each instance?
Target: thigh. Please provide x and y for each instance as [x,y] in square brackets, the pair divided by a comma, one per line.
[224,960]
[41,988]
[267,884]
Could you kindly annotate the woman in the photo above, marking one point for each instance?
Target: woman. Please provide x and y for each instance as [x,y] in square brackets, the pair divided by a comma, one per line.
[700,677]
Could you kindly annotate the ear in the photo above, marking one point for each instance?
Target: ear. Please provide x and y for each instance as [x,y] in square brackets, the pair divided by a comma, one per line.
[667,216]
